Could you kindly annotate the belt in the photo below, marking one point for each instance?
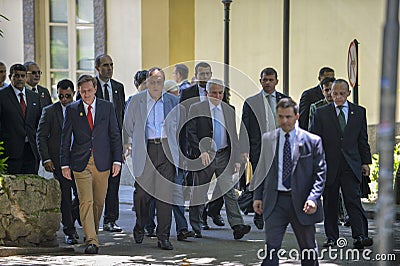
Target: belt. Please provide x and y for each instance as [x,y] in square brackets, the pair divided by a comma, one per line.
[285,193]
[223,149]
[156,141]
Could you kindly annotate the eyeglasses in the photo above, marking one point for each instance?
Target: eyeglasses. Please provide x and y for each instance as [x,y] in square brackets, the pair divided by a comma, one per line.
[67,96]
[34,72]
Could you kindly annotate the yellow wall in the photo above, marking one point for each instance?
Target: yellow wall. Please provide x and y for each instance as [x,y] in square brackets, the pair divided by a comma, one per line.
[320,33]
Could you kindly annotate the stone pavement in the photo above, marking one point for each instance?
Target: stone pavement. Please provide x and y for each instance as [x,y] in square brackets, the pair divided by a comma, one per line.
[217,247]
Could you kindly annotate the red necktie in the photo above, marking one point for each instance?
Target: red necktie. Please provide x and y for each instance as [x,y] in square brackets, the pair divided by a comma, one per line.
[22,103]
[90,117]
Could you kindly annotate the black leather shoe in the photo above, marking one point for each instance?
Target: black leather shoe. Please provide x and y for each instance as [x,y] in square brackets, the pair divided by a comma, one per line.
[138,236]
[240,230]
[151,233]
[112,227]
[205,226]
[367,242]
[358,242]
[184,233]
[329,243]
[165,244]
[258,221]
[218,220]
[91,249]
[198,235]
[70,240]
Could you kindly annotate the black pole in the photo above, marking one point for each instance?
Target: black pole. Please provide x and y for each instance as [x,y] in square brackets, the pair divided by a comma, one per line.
[355,88]
[227,4]
[386,129]
[286,20]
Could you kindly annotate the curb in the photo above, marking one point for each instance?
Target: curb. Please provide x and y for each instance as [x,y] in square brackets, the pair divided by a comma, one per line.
[13,251]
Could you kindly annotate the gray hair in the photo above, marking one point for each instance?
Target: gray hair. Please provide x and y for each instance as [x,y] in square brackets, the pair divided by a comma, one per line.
[214,81]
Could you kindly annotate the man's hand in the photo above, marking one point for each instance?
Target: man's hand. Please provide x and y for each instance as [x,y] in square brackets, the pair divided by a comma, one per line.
[66,172]
[237,167]
[365,169]
[49,166]
[257,206]
[205,158]
[115,169]
[310,207]
[245,157]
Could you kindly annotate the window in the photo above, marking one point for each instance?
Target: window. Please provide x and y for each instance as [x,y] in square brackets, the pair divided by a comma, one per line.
[70,40]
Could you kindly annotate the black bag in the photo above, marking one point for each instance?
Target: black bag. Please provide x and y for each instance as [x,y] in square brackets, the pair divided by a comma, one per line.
[245,201]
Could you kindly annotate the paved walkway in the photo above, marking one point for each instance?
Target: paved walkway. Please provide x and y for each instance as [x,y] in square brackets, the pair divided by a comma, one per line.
[216,248]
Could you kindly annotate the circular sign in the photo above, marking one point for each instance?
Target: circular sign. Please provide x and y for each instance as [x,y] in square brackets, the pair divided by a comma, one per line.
[352,64]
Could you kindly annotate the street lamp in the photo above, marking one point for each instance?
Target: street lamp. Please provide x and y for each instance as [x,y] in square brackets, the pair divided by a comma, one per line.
[227,4]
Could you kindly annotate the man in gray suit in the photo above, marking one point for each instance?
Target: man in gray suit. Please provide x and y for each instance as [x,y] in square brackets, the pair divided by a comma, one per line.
[152,119]
[289,182]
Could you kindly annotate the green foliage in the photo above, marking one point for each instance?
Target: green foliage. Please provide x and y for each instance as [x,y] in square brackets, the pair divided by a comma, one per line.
[3,165]
[3,17]
[375,163]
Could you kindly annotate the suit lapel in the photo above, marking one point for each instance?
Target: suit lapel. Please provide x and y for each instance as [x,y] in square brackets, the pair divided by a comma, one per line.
[167,105]
[59,114]
[260,105]
[350,116]
[143,110]
[14,100]
[335,118]
[298,141]
[82,114]
[99,92]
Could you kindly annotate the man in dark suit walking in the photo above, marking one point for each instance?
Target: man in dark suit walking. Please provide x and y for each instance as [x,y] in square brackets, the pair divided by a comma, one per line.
[343,129]
[19,117]
[32,82]
[113,91]
[194,94]
[289,181]
[214,146]
[49,142]
[313,95]
[258,117]
[96,150]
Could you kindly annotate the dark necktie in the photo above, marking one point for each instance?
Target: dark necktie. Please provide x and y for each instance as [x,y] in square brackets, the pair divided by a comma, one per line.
[106,95]
[34,89]
[342,119]
[90,117]
[22,103]
[287,162]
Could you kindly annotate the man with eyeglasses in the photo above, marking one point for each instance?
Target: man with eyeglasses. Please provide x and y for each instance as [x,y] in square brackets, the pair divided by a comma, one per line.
[32,83]
[3,75]
[49,142]
[19,116]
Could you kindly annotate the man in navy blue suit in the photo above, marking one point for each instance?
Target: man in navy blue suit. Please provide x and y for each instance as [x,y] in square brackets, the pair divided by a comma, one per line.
[96,146]
[289,182]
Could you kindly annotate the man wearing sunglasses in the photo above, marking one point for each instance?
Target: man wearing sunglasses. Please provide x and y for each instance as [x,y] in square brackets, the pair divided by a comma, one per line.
[49,142]
[33,75]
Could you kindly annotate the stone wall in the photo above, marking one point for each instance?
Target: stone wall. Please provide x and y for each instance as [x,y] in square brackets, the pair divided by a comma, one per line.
[29,211]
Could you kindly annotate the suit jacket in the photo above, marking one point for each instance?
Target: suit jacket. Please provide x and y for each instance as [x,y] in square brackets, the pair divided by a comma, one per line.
[307,98]
[135,127]
[200,130]
[255,122]
[45,98]
[49,135]
[118,94]
[308,174]
[104,140]
[352,144]
[13,127]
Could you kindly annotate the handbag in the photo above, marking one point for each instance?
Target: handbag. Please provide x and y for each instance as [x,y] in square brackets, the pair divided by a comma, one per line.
[245,201]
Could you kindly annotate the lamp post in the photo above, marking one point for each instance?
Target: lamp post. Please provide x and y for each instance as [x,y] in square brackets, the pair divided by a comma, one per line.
[227,4]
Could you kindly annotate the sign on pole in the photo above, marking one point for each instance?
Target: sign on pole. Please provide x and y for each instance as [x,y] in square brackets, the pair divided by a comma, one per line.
[352,68]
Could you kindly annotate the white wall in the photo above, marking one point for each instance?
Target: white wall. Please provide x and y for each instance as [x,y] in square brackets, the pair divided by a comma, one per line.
[12,44]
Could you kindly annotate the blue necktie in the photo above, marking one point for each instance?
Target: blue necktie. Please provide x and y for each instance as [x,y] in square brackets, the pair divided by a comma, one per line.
[217,130]
[287,162]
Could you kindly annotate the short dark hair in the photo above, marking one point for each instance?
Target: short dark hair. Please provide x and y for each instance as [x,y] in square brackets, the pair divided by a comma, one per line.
[30,63]
[288,103]
[87,78]
[325,69]
[183,70]
[2,64]
[17,67]
[139,77]
[151,70]
[343,81]
[98,58]
[269,71]
[201,64]
[65,84]
[327,80]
